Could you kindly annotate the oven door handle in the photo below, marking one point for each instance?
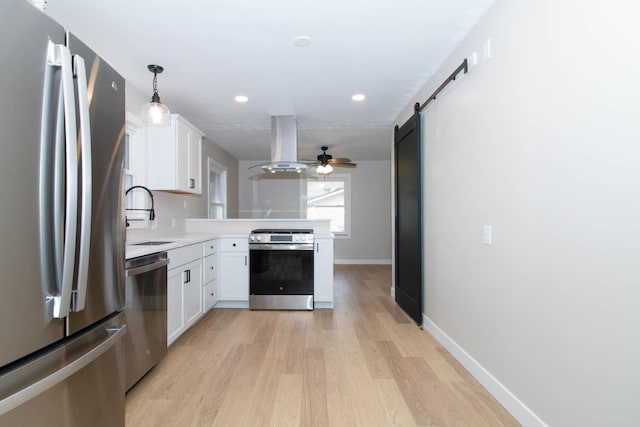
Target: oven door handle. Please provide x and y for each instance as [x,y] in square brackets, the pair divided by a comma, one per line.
[281,247]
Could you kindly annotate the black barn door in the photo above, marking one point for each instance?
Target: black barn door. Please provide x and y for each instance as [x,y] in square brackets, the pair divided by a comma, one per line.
[408,242]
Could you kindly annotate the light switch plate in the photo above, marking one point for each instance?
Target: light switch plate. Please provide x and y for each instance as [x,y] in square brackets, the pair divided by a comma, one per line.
[488,235]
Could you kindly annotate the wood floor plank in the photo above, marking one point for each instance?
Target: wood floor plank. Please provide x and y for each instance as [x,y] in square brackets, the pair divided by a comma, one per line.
[295,349]
[288,407]
[396,410]
[364,363]
[314,392]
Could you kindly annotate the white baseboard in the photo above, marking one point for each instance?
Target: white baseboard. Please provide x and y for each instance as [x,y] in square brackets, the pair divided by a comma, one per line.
[323,304]
[363,261]
[507,399]
[232,304]
[393,294]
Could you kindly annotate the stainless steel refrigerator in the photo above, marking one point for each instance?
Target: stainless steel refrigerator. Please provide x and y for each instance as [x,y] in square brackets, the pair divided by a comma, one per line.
[62,120]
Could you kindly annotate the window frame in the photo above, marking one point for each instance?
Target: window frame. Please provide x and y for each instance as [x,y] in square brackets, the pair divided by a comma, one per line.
[346,180]
[135,131]
[221,171]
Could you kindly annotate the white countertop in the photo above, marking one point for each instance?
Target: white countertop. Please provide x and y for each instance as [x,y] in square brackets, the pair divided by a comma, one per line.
[133,251]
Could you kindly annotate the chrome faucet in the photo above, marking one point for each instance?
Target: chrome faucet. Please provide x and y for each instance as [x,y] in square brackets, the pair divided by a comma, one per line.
[152,211]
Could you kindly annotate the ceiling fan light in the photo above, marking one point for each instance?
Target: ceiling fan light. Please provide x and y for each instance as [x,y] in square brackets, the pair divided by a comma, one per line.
[324,169]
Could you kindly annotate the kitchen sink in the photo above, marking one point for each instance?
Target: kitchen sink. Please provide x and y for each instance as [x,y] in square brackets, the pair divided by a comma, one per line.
[152,243]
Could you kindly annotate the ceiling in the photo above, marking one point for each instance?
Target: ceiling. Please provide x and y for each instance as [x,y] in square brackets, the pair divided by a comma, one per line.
[215,50]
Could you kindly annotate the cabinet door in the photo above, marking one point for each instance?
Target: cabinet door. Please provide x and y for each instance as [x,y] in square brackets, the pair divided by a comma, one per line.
[192,282]
[210,295]
[182,156]
[323,270]
[210,269]
[175,318]
[233,276]
[194,180]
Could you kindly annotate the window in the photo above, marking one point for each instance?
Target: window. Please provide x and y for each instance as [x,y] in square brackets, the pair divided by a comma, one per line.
[217,182]
[133,168]
[329,198]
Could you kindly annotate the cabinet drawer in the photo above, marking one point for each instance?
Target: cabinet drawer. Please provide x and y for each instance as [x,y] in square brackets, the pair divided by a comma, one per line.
[210,268]
[184,255]
[233,245]
[209,247]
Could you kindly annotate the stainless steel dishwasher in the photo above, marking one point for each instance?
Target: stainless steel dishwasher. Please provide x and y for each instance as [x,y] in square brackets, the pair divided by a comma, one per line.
[145,314]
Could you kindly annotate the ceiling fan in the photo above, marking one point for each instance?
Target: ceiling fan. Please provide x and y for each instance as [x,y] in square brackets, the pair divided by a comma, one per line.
[326,162]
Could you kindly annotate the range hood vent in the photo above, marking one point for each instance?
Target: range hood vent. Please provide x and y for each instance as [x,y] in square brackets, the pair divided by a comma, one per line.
[284,146]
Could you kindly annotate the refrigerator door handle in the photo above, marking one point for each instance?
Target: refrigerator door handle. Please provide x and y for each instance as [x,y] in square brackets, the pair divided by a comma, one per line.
[80,74]
[50,206]
[62,302]
[39,387]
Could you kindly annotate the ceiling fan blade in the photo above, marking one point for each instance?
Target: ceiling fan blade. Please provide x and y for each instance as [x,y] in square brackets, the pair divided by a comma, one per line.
[339,160]
[345,165]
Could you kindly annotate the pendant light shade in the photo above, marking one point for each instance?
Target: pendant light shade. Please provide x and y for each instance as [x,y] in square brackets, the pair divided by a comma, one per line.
[155,113]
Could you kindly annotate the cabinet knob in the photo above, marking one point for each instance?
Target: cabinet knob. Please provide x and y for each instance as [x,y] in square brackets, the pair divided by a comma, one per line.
[212,268]
[234,245]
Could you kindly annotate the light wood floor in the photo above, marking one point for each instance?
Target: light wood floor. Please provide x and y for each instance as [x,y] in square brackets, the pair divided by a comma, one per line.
[365,363]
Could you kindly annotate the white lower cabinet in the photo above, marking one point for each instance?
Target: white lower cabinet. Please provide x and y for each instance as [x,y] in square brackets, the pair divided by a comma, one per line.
[175,304]
[210,275]
[184,290]
[233,269]
[323,272]
[192,286]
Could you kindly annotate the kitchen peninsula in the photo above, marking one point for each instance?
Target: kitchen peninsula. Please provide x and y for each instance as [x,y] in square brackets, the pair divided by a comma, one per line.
[208,264]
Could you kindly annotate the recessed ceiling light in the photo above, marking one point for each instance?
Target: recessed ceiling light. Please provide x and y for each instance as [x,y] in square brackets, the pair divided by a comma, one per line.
[358,97]
[241,99]
[302,41]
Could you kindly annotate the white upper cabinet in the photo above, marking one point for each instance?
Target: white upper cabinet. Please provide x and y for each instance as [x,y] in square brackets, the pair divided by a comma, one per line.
[174,157]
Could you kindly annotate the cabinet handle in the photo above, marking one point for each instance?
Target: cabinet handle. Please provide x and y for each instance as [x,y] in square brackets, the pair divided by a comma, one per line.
[192,183]
[245,260]
[318,247]
[187,276]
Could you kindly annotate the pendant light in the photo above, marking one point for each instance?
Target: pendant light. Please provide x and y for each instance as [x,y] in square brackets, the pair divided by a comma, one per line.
[155,113]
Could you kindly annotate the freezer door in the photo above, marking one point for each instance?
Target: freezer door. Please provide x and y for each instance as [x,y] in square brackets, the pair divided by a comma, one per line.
[28,111]
[105,279]
[79,383]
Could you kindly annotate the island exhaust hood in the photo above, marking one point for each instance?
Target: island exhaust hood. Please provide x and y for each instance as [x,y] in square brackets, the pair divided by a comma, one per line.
[284,146]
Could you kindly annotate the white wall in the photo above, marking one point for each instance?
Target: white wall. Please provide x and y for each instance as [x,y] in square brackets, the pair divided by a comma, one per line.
[541,141]
[370,240]
[170,206]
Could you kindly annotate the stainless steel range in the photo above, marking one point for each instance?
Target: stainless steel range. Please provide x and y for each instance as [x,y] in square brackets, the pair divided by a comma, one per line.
[281,269]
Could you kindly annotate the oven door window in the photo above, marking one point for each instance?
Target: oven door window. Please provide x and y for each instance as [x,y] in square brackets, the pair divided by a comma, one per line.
[281,272]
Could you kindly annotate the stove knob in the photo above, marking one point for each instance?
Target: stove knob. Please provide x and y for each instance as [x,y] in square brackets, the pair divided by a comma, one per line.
[252,238]
[259,238]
